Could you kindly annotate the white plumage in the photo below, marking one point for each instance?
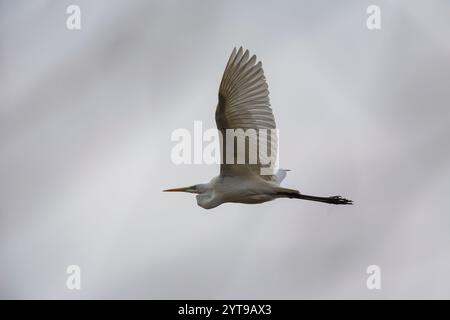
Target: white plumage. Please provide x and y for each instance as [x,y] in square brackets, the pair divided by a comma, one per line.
[244,104]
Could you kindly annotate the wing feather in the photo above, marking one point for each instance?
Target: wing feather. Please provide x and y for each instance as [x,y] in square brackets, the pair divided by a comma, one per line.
[244,104]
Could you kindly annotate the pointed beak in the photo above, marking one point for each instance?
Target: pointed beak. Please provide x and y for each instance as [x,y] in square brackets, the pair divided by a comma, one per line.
[185,189]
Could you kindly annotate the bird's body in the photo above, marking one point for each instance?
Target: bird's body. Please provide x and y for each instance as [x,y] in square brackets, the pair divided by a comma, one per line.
[235,189]
[244,105]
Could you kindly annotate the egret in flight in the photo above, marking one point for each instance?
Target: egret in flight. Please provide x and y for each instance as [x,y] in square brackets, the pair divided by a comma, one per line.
[244,104]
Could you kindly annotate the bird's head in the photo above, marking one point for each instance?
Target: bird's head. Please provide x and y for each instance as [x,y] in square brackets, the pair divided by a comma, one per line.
[205,194]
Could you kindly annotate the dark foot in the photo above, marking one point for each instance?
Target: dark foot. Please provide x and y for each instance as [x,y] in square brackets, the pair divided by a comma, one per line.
[339,200]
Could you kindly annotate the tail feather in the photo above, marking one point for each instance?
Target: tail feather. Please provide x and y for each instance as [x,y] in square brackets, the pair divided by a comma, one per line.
[280,175]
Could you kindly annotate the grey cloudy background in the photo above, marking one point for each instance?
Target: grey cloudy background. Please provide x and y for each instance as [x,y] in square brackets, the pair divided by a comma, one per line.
[85,124]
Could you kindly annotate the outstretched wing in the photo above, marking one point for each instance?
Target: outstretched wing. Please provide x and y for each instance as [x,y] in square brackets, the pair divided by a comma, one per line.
[244,104]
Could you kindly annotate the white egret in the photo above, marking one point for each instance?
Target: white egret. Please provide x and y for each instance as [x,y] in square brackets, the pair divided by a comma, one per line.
[244,103]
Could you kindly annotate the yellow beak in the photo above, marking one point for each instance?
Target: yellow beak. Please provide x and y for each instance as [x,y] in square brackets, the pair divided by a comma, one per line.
[185,189]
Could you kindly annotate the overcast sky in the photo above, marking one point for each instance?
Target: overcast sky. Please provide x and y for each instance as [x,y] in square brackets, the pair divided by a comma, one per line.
[85,123]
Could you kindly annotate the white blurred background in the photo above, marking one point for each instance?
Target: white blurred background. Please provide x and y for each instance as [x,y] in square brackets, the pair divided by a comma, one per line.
[85,124]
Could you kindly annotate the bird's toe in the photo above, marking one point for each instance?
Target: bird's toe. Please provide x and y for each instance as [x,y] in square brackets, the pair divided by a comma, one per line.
[340,200]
